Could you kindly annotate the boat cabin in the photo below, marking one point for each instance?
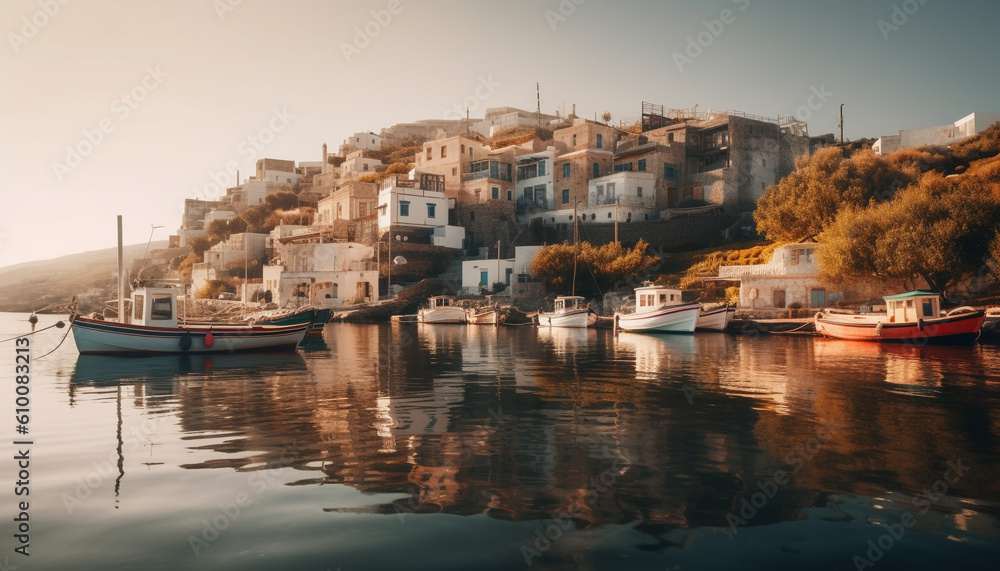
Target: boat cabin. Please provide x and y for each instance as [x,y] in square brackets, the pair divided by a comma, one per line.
[568,303]
[909,307]
[650,298]
[440,301]
[154,306]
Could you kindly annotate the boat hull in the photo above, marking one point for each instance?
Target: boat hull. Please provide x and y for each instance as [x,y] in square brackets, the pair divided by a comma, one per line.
[715,320]
[576,318]
[94,336]
[670,319]
[489,317]
[959,328]
[447,314]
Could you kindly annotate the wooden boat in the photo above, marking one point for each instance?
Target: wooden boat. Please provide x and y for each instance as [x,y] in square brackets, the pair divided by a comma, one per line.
[487,315]
[913,317]
[659,310]
[316,317]
[715,319]
[441,309]
[568,311]
[153,329]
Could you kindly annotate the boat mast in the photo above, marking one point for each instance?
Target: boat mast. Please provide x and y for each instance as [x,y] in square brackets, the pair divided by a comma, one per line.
[576,240]
[121,275]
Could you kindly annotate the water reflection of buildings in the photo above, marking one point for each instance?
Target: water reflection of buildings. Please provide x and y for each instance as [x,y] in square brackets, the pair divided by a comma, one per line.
[520,425]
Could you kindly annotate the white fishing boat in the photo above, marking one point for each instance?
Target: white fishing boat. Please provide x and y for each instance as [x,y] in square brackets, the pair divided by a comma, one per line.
[569,311]
[151,328]
[441,309]
[659,310]
[487,315]
[716,319]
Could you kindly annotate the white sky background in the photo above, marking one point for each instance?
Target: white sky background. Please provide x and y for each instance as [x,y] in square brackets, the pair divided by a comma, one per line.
[224,76]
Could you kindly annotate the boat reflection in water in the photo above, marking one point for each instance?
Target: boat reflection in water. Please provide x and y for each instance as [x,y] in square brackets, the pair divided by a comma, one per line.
[114,369]
[917,369]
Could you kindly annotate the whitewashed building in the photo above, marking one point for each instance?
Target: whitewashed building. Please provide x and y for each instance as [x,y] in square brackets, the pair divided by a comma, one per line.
[790,280]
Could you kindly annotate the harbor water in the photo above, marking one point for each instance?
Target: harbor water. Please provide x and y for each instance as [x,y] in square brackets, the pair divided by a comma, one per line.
[457,447]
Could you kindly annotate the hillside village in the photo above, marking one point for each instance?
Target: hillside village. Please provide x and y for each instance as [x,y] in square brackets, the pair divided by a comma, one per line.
[472,201]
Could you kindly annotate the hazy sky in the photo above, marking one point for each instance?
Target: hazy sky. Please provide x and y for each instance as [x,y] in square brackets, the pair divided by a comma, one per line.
[158,97]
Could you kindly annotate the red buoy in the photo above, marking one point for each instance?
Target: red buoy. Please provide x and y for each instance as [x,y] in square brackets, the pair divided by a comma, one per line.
[209,340]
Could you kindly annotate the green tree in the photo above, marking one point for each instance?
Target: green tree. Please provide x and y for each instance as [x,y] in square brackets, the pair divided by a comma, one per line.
[939,231]
[807,201]
[608,264]
[199,244]
[218,231]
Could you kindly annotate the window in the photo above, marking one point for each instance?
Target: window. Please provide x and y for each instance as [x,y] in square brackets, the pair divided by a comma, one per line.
[565,196]
[597,170]
[454,171]
[472,153]
[642,165]
[160,308]
[540,198]
[779,299]
[638,192]
[340,211]
[600,190]
[428,153]
[510,195]
[566,170]
[404,207]
[541,168]
[364,167]
[669,172]
[670,138]
[600,141]
[611,190]
[444,151]
[431,210]
[496,193]
[574,140]
[463,149]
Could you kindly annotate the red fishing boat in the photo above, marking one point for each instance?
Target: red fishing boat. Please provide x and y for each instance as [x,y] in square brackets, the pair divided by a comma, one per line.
[910,317]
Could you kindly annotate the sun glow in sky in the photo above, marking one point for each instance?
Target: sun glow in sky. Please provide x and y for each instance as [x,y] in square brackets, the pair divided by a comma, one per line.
[129,107]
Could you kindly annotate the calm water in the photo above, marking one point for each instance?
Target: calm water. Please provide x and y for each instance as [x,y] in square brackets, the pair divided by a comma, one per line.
[450,447]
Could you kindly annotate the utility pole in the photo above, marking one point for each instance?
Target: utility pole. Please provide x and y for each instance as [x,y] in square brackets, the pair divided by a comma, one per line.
[616,220]
[538,96]
[841,123]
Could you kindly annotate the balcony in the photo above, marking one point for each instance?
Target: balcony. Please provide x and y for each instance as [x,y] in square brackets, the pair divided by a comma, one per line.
[488,169]
[754,270]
